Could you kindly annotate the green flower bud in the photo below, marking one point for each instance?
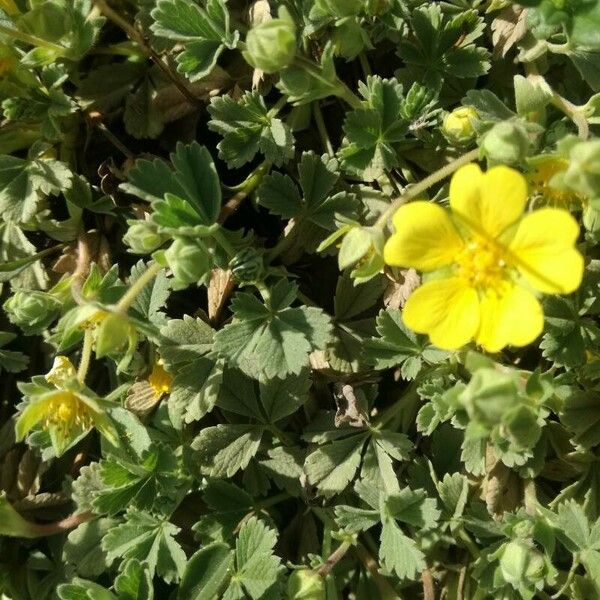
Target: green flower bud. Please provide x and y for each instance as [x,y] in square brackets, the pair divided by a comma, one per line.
[306,584]
[142,237]
[522,565]
[458,124]
[247,265]
[506,142]
[112,334]
[31,310]
[189,260]
[583,172]
[340,8]
[271,46]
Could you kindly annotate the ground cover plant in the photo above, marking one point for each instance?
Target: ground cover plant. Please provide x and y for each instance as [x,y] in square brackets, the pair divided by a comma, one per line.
[299,299]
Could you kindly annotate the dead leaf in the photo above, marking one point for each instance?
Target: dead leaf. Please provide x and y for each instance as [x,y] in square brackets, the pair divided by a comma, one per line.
[397,292]
[219,289]
[508,28]
[348,409]
[502,488]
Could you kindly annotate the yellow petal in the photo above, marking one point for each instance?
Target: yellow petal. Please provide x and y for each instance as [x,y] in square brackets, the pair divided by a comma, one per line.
[446,309]
[425,238]
[514,317]
[544,251]
[488,202]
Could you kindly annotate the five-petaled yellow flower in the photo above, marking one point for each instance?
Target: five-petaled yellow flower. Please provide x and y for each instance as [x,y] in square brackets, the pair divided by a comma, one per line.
[486,260]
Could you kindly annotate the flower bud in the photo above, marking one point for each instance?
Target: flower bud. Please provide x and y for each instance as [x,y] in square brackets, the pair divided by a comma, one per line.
[189,260]
[458,124]
[247,265]
[271,46]
[142,237]
[32,310]
[583,172]
[306,584]
[506,142]
[521,564]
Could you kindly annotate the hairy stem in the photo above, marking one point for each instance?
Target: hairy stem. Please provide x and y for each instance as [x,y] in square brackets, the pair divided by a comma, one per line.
[138,285]
[86,355]
[425,184]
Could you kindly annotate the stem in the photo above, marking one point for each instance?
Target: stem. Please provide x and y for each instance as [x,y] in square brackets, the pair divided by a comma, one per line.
[137,37]
[425,184]
[333,559]
[282,245]
[318,114]
[7,267]
[224,243]
[112,138]
[569,578]
[385,589]
[86,355]
[364,64]
[31,39]
[65,524]
[138,285]
[243,191]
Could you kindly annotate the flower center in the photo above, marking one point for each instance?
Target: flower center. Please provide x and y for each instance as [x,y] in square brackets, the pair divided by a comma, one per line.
[159,380]
[482,264]
[66,411]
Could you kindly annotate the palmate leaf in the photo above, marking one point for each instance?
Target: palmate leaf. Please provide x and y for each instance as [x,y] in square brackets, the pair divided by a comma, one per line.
[399,346]
[248,127]
[204,30]
[149,539]
[373,132]
[317,177]
[442,45]
[193,180]
[256,566]
[267,342]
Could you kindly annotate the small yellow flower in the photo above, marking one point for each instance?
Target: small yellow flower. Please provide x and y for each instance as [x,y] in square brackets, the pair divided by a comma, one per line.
[488,257]
[66,411]
[160,381]
[548,192]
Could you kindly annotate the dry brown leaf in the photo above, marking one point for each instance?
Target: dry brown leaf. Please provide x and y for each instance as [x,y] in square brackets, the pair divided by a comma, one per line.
[220,287]
[397,292]
[508,28]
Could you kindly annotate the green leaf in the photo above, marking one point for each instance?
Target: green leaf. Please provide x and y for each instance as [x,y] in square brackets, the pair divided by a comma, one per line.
[399,553]
[195,390]
[317,204]
[193,180]
[257,568]
[185,340]
[441,45]
[205,31]
[352,300]
[141,486]
[83,549]
[413,507]
[399,346]
[581,415]
[206,573]
[153,296]
[333,466]
[81,589]
[223,450]
[134,582]
[248,127]
[23,183]
[149,539]
[142,116]
[272,342]
[373,132]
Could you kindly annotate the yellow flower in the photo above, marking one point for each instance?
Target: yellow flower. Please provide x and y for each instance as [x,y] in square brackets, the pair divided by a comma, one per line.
[159,380]
[488,257]
[543,188]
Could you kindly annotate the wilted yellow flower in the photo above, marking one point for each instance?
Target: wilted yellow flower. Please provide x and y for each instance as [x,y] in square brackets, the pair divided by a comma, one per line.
[159,380]
[549,192]
[488,258]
